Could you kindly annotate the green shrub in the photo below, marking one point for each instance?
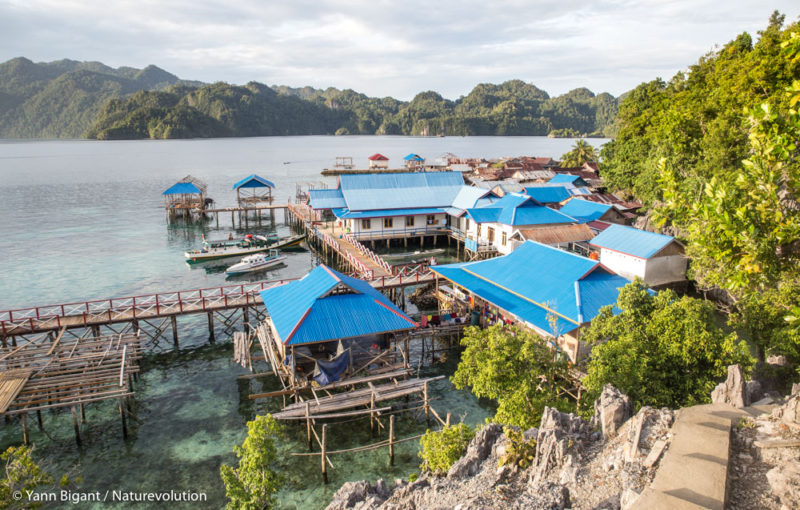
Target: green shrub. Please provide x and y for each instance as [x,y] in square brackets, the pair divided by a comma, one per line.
[520,452]
[441,449]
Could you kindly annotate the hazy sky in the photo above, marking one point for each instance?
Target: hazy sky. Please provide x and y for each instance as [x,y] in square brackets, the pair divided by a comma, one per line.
[387,48]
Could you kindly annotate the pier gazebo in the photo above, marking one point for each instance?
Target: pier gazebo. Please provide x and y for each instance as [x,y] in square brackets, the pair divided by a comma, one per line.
[254,190]
[185,195]
[328,326]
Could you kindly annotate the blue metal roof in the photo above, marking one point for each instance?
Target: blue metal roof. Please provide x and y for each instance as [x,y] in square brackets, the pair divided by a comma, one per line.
[305,311]
[631,241]
[549,195]
[326,199]
[354,215]
[468,196]
[414,157]
[253,181]
[545,277]
[364,192]
[182,188]
[514,209]
[584,210]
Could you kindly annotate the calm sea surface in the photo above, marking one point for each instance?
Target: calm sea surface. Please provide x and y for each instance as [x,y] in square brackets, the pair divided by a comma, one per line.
[85,220]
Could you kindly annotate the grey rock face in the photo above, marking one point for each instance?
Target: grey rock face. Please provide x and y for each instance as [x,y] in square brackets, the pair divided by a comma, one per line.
[479,448]
[545,496]
[560,434]
[611,410]
[732,391]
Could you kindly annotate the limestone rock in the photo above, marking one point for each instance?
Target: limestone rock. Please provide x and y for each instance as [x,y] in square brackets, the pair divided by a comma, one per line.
[784,480]
[355,495]
[795,389]
[611,410]
[791,410]
[777,359]
[627,499]
[753,391]
[732,391]
[545,496]
[560,434]
[479,448]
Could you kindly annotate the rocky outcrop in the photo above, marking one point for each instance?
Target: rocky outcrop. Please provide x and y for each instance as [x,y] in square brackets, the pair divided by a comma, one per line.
[733,391]
[611,410]
[561,437]
[545,496]
[359,495]
[479,448]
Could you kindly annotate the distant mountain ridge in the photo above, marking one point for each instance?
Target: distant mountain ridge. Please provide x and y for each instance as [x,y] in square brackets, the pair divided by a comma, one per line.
[61,99]
[70,99]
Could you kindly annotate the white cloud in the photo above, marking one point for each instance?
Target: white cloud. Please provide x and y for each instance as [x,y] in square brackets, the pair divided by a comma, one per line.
[386,48]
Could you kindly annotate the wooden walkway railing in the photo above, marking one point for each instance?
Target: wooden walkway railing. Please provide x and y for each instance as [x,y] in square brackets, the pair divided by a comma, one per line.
[149,306]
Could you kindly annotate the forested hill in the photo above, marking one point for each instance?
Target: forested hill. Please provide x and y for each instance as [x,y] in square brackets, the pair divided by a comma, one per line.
[511,108]
[62,99]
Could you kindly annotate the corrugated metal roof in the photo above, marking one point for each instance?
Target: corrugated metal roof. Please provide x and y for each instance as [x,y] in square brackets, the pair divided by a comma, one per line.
[549,194]
[363,192]
[253,181]
[414,157]
[380,213]
[468,196]
[558,234]
[632,241]
[564,179]
[305,311]
[514,209]
[326,199]
[584,210]
[183,188]
[378,157]
[545,276]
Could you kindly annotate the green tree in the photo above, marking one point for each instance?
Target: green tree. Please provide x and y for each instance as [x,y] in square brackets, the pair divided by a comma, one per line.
[661,350]
[253,484]
[441,449]
[515,367]
[582,152]
[22,475]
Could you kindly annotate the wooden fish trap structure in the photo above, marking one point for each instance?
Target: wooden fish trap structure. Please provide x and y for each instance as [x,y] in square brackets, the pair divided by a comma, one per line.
[52,371]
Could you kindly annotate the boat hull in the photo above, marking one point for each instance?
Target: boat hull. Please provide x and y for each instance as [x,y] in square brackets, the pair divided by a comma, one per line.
[232,271]
[198,257]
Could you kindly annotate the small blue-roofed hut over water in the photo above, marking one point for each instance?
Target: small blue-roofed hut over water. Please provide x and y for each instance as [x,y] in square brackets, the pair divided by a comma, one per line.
[328,325]
[186,195]
[414,161]
[254,190]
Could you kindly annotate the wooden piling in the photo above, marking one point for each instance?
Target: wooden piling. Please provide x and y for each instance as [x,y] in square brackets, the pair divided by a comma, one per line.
[174,321]
[124,424]
[39,419]
[427,403]
[323,450]
[83,413]
[391,439]
[24,420]
[75,425]
[211,327]
[308,428]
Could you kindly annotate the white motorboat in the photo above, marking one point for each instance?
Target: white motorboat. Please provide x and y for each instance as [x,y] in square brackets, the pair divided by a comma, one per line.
[256,262]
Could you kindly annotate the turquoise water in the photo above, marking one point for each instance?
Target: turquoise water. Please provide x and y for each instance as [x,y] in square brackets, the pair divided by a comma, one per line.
[84,220]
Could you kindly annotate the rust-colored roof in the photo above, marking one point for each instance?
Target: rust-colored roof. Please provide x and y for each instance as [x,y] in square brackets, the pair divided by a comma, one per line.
[608,198]
[558,234]
[378,157]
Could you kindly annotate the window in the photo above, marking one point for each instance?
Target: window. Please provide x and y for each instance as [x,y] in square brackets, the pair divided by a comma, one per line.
[365,224]
[478,229]
[387,223]
[466,224]
[409,221]
[503,239]
[490,234]
[431,219]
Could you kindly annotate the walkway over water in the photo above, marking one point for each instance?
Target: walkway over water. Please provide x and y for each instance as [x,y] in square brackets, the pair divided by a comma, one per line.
[93,313]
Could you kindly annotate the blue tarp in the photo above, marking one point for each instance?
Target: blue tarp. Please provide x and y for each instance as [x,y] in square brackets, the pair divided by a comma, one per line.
[327,372]
[183,188]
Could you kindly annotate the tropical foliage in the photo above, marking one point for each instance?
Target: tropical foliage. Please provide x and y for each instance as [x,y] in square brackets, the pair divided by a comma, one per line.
[661,350]
[253,484]
[439,450]
[582,152]
[21,475]
[516,368]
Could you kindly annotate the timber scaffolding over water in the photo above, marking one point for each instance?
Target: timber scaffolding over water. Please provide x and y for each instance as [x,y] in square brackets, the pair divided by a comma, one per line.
[64,371]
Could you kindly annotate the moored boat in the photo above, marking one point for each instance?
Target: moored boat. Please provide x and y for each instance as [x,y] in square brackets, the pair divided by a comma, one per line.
[256,262]
[248,245]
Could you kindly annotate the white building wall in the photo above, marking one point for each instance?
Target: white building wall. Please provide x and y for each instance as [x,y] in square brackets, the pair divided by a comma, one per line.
[376,225]
[624,265]
[661,270]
